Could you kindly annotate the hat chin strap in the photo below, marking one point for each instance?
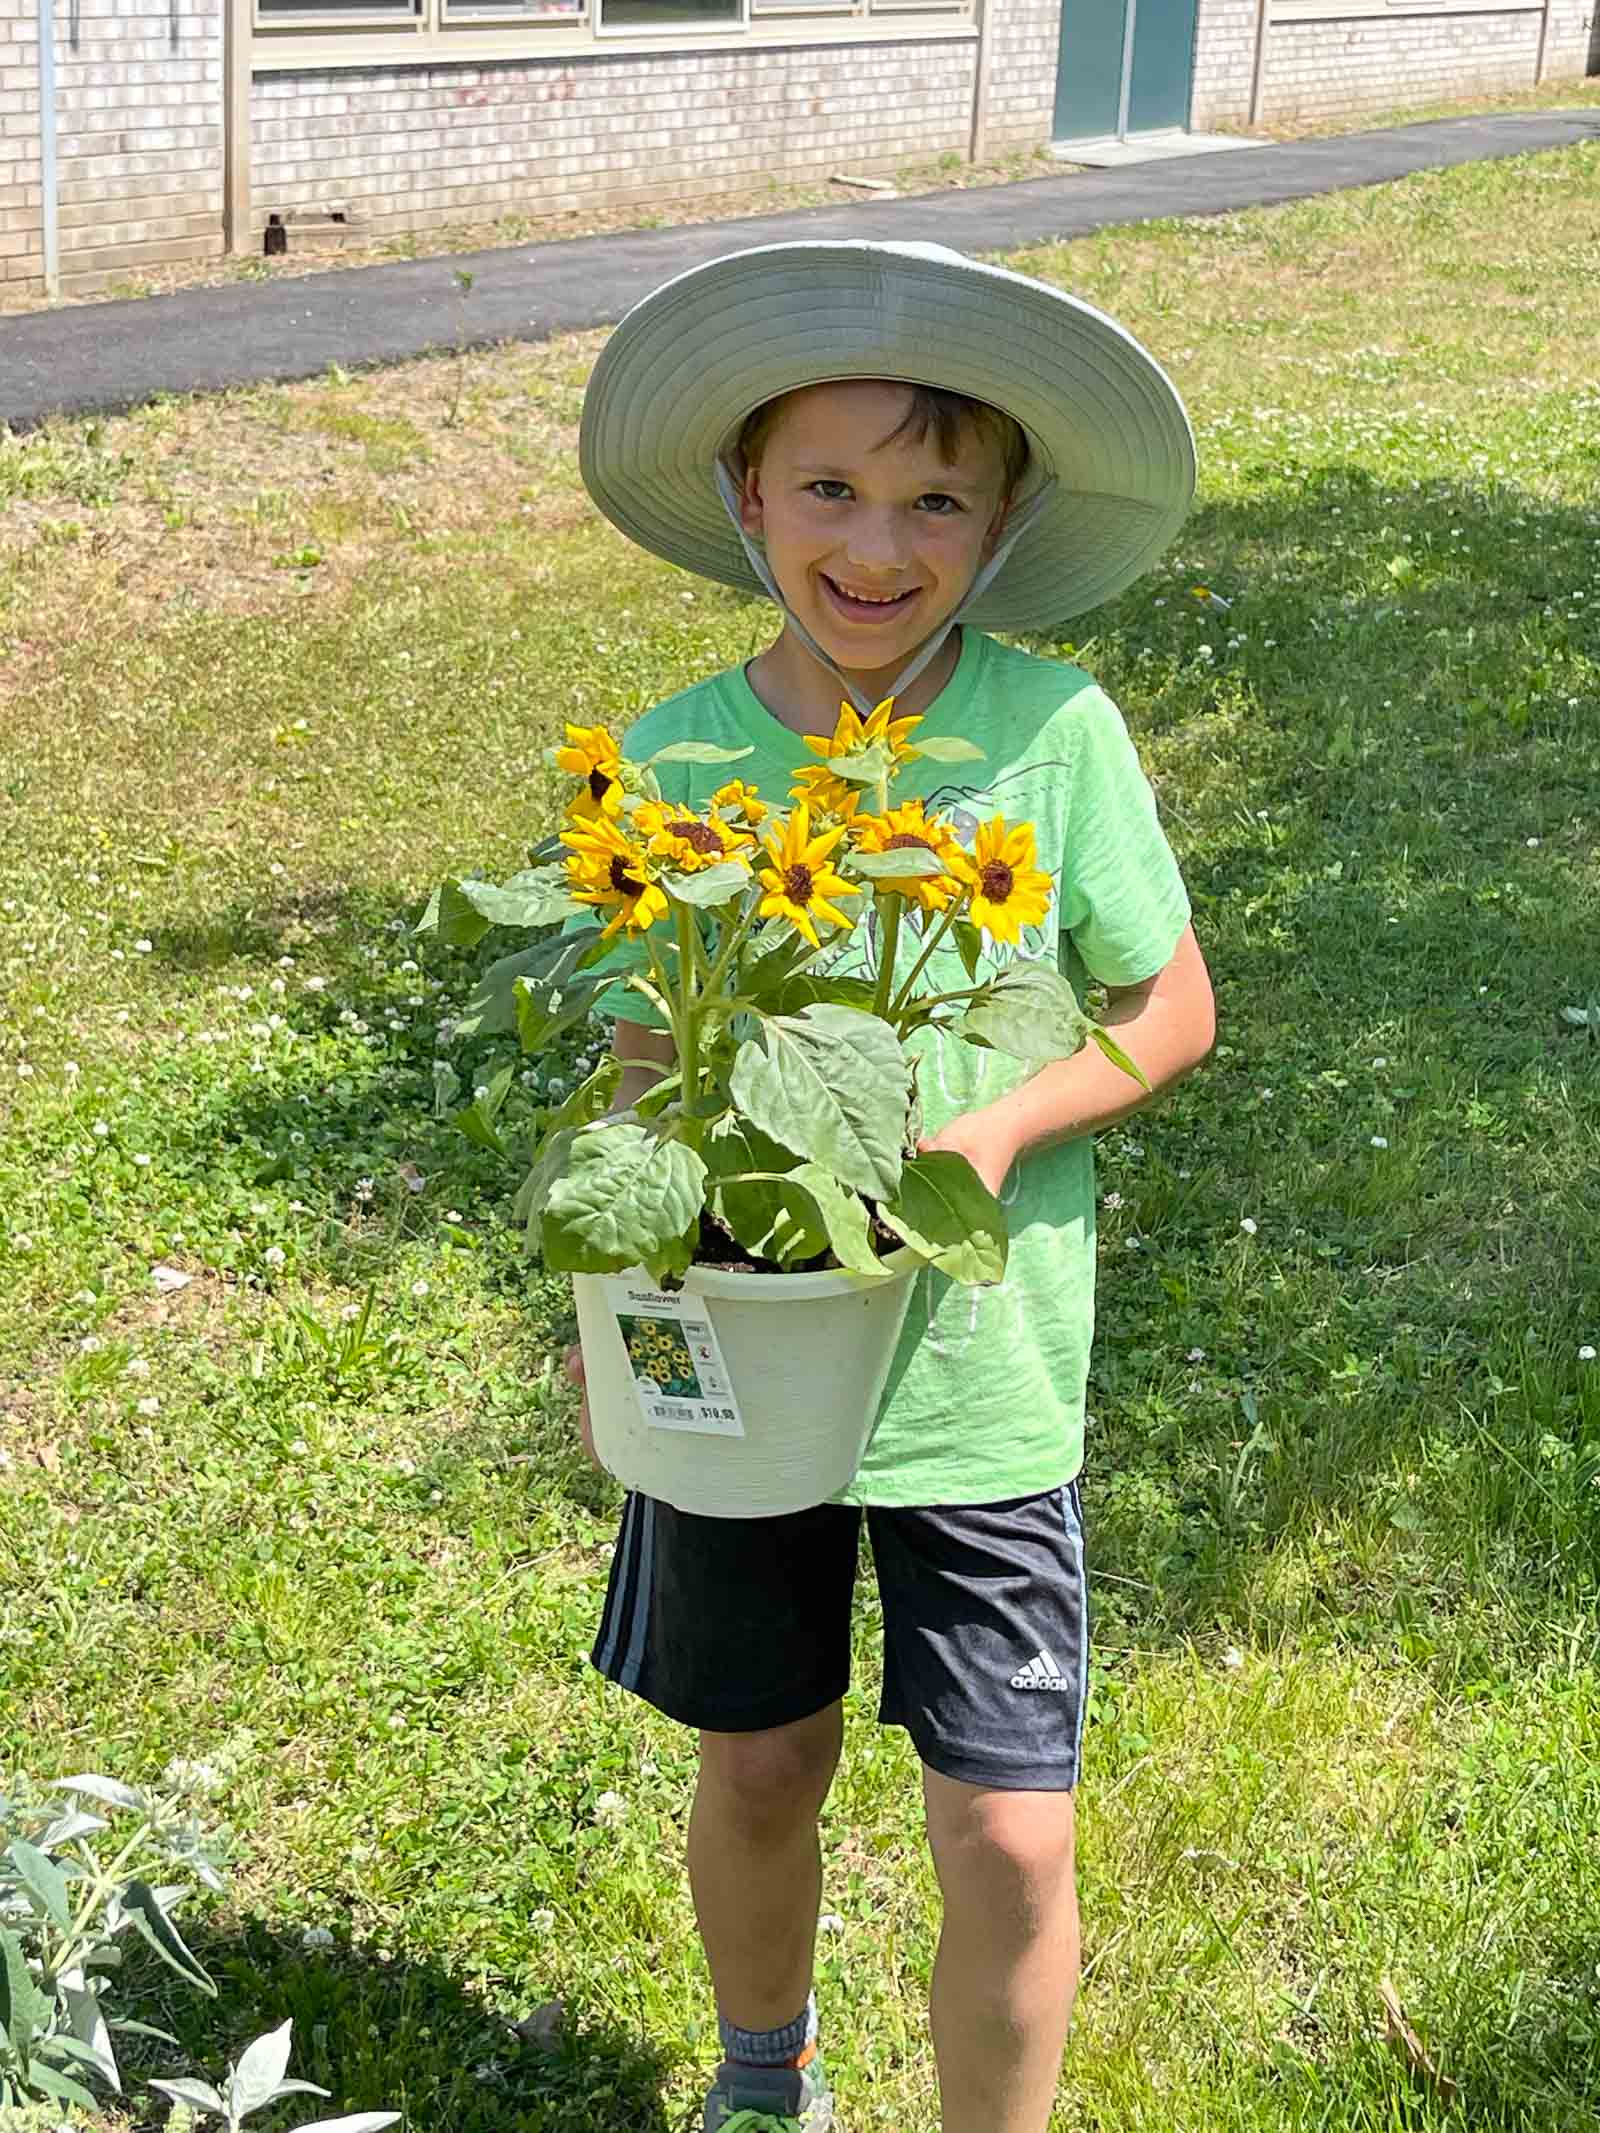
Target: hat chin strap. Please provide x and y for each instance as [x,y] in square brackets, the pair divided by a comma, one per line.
[1020,520]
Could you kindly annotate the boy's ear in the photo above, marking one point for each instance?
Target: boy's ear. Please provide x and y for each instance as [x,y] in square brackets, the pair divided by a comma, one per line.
[752,512]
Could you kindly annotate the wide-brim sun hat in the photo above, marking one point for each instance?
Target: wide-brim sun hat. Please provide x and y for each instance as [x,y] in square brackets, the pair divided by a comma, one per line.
[1112,461]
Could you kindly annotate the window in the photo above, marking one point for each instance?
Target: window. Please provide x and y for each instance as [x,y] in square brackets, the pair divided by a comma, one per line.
[352,11]
[661,17]
[512,10]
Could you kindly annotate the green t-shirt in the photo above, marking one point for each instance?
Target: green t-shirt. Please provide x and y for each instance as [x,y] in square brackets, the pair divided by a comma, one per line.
[985,1398]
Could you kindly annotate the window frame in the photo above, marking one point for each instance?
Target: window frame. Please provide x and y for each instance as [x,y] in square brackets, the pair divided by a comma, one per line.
[329,37]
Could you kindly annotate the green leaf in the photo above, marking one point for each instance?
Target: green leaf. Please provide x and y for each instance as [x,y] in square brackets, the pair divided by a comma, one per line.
[947,748]
[491,1009]
[477,1120]
[872,765]
[946,1212]
[629,1197]
[534,1191]
[768,1219]
[358,2122]
[801,989]
[463,911]
[696,752]
[908,862]
[831,1084]
[969,942]
[44,1882]
[24,2010]
[714,885]
[843,1216]
[139,1902]
[1114,1052]
[1030,1011]
[545,1011]
[61,2086]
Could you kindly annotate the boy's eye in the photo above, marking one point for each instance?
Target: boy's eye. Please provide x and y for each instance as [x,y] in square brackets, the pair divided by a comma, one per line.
[831,492]
[938,504]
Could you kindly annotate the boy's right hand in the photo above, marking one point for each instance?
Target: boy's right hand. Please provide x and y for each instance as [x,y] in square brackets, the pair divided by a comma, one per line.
[573,1364]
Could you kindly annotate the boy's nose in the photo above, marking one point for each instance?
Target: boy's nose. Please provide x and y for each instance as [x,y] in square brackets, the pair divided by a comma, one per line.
[875,541]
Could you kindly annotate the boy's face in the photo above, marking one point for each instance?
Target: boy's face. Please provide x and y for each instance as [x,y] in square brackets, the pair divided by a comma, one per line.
[873,544]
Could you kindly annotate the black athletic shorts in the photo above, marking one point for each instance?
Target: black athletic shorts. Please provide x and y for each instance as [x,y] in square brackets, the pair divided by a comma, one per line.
[738,1624]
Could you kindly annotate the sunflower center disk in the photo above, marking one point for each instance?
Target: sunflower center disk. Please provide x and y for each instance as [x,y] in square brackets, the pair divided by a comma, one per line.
[622,881]
[903,840]
[798,885]
[700,835]
[997,880]
[599,783]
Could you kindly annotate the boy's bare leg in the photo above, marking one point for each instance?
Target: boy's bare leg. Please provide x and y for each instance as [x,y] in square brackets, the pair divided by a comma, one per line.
[1007,1968]
[755,1862]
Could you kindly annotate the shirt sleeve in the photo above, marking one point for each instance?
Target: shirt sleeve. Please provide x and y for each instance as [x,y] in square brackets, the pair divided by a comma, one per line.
[1123,902]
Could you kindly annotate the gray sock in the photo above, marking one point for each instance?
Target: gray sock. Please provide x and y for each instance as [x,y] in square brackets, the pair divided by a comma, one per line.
[770,2047]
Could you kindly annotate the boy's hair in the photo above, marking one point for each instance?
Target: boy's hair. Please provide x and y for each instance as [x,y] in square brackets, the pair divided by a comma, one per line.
[946,414]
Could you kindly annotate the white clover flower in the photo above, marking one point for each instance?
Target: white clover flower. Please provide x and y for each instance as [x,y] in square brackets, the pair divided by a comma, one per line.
[1586,1352]
[181,1775]
[273,1255]
[150,1405]
[1112,1199]
[316,984]
[610,1809]
[24,1071]
[1248,1225]
[542,1920]
[830,1922]
[419,1288]
[21,1241]
[141,1162]
[350,1313]
[316,1937]
[145,947]
[101,1129]
[1195,1355]
[1533,844]
[299,1447]
[136,1367]
[405,1466]
[364,1189]
[1380,1062]
[1378,1141]
[90,1344]
[1233,1659]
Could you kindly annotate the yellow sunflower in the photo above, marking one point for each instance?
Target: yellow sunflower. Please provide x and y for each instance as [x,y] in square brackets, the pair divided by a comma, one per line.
[684,840]
[826,795]
[1008,890]
[608,870]
[800,881]
[591,754]
[853,732]
[741,800]
[897,830]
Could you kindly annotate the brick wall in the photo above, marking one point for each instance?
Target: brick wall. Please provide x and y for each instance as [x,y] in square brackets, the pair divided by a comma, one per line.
[1332,68]
[414,148]
[1024,46]
[21,243]
[139,114]
[1224,62]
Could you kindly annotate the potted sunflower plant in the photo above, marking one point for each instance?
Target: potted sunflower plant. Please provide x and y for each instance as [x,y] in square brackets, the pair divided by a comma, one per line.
[743,1238]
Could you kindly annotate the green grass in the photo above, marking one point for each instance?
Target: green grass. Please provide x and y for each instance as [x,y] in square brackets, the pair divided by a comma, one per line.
[1344,1477]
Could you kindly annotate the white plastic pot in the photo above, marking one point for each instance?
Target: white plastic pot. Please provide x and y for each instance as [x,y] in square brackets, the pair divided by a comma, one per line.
[807,1356]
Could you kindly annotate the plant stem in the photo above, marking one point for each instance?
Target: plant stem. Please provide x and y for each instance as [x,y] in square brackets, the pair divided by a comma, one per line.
[952,913]
[689,1036]
[890,905]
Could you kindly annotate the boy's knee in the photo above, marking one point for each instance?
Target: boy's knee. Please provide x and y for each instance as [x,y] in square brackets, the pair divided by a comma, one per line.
[1019,1846]
[778,1775]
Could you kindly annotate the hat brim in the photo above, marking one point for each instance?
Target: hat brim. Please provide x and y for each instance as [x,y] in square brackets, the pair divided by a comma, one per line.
[688,364]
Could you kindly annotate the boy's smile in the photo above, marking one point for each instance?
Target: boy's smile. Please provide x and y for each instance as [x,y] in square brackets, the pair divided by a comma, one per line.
[874,539]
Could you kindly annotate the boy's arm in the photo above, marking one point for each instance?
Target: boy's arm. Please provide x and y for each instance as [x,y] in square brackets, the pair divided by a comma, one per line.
[646,1055]
[1166,1025]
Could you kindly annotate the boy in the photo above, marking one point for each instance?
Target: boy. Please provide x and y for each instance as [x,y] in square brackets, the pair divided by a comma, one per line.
[892,441]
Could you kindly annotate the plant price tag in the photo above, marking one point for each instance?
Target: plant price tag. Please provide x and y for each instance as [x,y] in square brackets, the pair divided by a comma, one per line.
[678,1372]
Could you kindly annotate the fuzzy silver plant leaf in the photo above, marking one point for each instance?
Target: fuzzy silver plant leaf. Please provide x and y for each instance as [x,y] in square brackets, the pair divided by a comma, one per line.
[109,1790]
[195,2094]
[361,2122]
[262,2065]
[68,1828]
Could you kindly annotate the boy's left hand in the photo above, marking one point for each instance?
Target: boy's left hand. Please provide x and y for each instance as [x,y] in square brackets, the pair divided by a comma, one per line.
[985,1143]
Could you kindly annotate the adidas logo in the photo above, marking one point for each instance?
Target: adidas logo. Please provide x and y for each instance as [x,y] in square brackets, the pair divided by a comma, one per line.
[1040,1673]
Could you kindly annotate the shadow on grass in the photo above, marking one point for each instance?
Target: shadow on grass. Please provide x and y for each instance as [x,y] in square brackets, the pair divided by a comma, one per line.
[387,2032]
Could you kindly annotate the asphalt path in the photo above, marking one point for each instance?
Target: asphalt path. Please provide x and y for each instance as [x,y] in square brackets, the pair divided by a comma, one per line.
[106,357]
